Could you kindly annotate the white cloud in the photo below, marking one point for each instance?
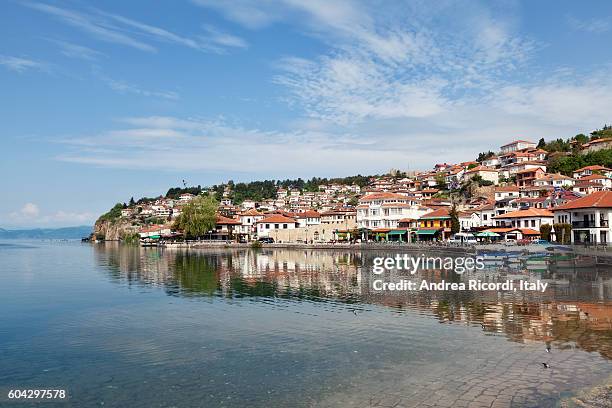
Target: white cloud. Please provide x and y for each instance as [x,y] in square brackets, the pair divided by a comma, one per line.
[125,31]
[19,64]
[77,51]
[92,25]
[128,88]
[30,210]
[594,25]
[31,215]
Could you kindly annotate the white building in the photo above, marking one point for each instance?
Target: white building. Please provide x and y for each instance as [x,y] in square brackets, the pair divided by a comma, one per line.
[589,170]
[506,192]
[268,225]
[486,173]
[308,218]
[554,180]
[517,145]
[532,218]
[589,217]
[384,210]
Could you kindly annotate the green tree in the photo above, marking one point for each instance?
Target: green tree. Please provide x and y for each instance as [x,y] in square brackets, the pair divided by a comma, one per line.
[441,181]
[545,231]
[198,217]
[541,144]
[484,156]
[113,213]
[454,217]
[132,202]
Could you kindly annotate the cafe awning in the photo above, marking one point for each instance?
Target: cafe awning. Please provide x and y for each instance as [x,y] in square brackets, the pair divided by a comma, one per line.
[397,232]
[427,232]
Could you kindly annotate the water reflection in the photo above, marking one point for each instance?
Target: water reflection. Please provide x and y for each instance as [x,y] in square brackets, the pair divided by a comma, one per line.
[574,312]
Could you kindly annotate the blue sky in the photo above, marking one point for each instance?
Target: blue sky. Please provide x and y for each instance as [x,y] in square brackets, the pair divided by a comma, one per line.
[107,100]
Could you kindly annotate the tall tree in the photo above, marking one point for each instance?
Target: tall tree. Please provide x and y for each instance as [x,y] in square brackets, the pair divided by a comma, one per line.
[541,144]
[198,217]
[454,216]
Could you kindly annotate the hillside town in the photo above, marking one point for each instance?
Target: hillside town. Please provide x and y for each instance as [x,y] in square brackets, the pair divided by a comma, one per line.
[506,196]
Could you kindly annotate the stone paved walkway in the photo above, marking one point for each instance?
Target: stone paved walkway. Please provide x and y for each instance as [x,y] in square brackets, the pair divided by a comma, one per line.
[510,379]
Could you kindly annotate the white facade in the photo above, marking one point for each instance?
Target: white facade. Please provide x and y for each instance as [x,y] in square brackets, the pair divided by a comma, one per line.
[384,210]
[517,145]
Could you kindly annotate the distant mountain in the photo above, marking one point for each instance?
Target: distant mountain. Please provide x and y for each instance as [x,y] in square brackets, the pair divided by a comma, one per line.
[47,233]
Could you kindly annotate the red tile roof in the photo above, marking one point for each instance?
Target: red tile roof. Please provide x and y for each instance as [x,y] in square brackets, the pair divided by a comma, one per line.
[600,199]
[532,212]
[277,218]
[439,213]
[309,214]
[221,220]
[595,167]
[593,177]
[251,212]
[382,196]
[506,188]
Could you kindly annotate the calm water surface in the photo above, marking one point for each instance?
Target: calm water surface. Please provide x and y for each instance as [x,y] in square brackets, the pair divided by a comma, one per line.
[126,326]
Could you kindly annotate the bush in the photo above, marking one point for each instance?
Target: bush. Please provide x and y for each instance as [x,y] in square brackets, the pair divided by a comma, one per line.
[545,231]
[563,233]
[256,245]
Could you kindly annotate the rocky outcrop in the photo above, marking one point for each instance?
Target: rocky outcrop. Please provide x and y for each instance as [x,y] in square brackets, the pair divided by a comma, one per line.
[115,230]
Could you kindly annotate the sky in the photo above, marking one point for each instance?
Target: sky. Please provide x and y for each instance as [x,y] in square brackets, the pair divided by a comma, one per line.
[102,101]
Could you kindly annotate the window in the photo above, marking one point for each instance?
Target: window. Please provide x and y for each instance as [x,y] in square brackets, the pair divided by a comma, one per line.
[533,223]
[267,226]
[285,226]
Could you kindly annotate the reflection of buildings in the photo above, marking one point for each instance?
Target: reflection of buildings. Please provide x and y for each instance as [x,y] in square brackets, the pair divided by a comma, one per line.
[576,310]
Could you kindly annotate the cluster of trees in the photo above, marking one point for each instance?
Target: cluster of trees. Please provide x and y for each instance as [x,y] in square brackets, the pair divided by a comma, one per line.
[482,156]
[567,164]
[198,217]
[175,192]
[261,190]
[562,232]
[575,143]
[114,213]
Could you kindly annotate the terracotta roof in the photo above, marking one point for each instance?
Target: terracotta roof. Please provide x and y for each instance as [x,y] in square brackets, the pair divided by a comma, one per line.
[502,230]
[506,188]
[556,176]
[593,177]
[221,220]
[382,196]
[481,168]
[439,213]
[595,167]
[276,218]
[600,199]
[251,212]
[528,231]
[532,212]
[531,170]
[309,214]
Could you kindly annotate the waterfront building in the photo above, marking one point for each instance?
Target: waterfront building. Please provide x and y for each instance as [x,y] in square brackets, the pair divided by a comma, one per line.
[435,225]
[589,217]
[268,225]
[531,218]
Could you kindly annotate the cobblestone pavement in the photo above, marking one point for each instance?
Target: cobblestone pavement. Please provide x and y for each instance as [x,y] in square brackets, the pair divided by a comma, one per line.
[511,378]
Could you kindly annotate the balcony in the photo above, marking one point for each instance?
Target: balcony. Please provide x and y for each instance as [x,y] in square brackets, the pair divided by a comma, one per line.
[589,224]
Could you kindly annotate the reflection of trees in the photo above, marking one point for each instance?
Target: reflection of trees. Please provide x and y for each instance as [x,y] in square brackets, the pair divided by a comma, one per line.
[569,315]
[195,274]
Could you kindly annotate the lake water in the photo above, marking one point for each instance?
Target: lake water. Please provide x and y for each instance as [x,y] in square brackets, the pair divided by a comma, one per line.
[134,327]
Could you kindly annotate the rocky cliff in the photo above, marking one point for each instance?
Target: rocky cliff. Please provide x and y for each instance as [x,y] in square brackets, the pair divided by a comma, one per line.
[112,230]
